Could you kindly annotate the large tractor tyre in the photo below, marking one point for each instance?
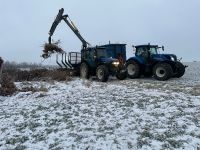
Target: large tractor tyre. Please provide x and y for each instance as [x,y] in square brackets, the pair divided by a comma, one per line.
[121,75]
[133,69]
[84,71]
[162,71]
[180,68]
[102,73]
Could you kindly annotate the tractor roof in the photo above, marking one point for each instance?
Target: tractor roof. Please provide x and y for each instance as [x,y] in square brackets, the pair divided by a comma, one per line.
[113,44]
[106,45]
[146,45]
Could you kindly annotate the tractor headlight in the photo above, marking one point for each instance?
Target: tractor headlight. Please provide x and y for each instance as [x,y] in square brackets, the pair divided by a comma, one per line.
[115,63]
[172,58]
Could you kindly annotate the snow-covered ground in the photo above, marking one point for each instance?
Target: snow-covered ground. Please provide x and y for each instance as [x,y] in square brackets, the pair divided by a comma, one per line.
[129,114]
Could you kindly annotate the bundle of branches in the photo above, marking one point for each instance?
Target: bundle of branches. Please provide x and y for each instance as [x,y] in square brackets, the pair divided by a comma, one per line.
[7,86]
[51,48]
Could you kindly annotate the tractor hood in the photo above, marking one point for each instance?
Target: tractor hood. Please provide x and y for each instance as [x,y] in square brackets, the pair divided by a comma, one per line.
[106,60]
[163,57]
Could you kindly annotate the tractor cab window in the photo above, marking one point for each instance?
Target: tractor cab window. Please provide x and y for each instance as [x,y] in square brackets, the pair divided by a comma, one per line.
[85,54]
[153,50]
[145,52]
[142,51]
[91,54]
[88,54]
[103,53]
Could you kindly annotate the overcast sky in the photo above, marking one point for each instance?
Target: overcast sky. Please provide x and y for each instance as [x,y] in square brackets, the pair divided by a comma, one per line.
[25,24]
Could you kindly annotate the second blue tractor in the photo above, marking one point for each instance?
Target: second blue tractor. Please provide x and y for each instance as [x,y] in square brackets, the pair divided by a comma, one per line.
[148,62]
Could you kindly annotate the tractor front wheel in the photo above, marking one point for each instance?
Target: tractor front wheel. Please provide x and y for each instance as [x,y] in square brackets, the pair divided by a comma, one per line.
[180,70]
[133,69]
[162,71]
[102,73]
[84,71]
[121,75]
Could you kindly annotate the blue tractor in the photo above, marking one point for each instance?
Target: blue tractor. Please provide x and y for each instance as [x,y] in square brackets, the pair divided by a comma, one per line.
[149,62]
[102,61]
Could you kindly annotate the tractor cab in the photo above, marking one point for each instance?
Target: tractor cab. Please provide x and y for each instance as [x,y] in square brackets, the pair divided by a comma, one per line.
[150,54]
[97,55]
[117,51]
[145,52]
[145,49]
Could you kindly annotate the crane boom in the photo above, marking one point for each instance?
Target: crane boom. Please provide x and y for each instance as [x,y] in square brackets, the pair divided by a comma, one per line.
[61,17]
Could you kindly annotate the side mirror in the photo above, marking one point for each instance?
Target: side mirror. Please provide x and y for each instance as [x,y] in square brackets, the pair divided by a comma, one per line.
[163,48]
[134,49]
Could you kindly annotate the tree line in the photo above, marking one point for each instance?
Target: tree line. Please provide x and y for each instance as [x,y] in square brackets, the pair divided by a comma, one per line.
[7,65]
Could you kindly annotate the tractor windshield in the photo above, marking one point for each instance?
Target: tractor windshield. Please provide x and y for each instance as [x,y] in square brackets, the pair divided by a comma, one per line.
[153,50]
[103,53]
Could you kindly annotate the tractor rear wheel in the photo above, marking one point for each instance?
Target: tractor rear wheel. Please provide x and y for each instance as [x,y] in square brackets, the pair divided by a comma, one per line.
[102,73]
[180,70]
[121,75]
[84,71]
[133,69]
[162,71]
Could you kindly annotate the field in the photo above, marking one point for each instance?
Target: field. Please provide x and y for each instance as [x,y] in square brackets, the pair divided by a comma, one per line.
[81,114]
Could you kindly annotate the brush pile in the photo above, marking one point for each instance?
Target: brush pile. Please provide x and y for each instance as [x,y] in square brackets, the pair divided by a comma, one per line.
[39,75]
[51,48]
[7,86]
[43,75]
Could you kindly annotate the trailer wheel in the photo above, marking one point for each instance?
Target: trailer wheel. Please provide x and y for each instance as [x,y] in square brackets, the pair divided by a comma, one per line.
[84,71]
[121,75]
[133,69]
[180,70]
[102,73]
[162,71]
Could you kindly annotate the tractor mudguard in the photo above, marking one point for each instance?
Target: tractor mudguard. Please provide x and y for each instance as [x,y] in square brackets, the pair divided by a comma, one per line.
[137,59]
[164,57]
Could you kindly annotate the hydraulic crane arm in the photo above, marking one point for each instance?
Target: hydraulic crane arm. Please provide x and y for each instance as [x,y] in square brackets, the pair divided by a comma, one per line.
[61,17]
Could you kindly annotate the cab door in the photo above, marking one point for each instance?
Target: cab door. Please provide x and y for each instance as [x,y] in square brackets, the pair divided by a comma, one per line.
[143,54]
[88,56]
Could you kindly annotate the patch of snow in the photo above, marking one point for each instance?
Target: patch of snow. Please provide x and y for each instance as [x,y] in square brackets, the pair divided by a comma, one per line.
[84,114]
